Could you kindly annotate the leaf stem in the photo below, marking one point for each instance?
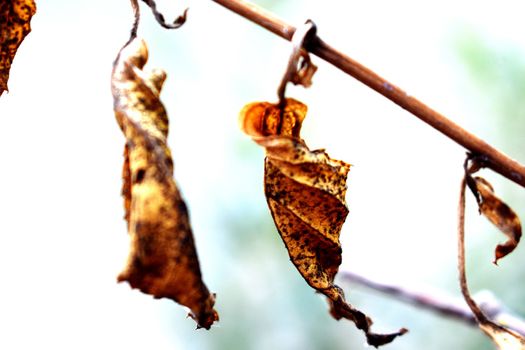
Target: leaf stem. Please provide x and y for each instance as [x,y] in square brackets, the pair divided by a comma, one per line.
[478,314]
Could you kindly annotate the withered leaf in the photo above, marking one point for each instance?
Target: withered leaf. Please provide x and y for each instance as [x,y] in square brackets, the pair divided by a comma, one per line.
[15,16]
[163,260]
[305,190]
[504,338]
[305,72]
[499,213]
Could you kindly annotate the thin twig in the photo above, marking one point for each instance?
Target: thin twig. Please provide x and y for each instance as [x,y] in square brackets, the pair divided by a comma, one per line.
[134,28]
[478,314]
[444,305]
[494,159]
[441,302]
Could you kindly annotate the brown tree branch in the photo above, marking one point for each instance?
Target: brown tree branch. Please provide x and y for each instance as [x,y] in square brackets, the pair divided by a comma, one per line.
[442,303]
[492,158]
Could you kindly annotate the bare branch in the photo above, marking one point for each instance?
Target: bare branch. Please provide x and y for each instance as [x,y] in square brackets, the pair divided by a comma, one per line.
[442,303]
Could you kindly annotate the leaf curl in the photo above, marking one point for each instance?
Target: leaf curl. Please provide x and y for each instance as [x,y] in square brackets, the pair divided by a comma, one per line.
[15,17]
[163,260]
[504,338]
[305,72]
[305,190]
[496,211]
[501,215]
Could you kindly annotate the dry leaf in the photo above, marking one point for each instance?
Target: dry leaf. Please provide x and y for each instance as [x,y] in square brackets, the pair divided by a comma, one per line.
[305,72]
[162,261]
[504,338]
[14,26]
[500,214]
[305,191]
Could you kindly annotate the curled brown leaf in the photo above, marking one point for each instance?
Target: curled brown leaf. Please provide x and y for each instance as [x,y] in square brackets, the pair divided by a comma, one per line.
[504,338]
[501,215]
[163,260]
[15,17]
[305,190]
[496,211]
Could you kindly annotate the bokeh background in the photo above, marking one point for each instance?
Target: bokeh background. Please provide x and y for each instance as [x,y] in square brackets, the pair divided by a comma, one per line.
[62,236]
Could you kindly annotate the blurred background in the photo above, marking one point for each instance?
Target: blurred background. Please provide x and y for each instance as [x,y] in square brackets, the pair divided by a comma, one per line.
[62,236]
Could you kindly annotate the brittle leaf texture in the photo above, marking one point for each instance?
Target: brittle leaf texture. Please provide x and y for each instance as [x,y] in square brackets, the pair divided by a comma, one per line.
[305,191]
[501,215]
[163,260]
[15,16]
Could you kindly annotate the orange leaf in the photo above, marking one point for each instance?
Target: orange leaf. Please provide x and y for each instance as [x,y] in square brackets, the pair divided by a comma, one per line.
[305,191]
[15,16]
[163,260]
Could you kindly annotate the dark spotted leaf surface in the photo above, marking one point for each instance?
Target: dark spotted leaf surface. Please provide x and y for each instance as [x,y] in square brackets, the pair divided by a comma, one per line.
[305,190]
[15,16]
[162,260]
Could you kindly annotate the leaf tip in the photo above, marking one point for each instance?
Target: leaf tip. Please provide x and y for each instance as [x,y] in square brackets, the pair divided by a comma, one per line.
[377,340]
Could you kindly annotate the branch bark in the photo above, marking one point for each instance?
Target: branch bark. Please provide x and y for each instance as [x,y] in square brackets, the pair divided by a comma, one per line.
[492,158]
[442,303]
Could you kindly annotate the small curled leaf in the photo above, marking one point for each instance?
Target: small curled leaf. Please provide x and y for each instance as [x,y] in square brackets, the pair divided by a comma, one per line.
[163,260]
[15,17]
[501,215]
[305,190]
[305,72]
[503,337]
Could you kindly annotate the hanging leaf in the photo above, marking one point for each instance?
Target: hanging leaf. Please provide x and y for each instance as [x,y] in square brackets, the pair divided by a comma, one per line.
[504,338]
[162,261]
[497,212]
[305,191]
[15,16]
